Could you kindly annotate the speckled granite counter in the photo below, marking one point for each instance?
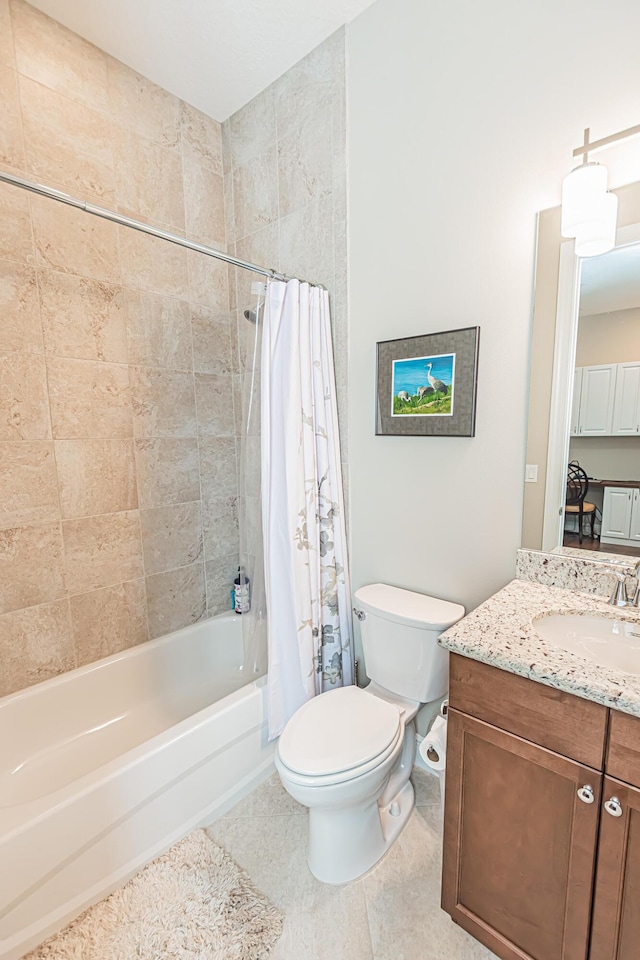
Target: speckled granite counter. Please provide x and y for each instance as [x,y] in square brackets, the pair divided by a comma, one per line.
[569,568]
[500,632]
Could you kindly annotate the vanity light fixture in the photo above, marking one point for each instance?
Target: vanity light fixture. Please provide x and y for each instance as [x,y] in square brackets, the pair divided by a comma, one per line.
[589,212]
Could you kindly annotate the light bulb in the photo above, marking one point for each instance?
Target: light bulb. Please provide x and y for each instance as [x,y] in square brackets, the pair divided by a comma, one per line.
[598,234]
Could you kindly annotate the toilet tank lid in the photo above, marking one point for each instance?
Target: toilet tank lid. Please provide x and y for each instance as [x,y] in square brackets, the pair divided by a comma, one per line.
[407,606]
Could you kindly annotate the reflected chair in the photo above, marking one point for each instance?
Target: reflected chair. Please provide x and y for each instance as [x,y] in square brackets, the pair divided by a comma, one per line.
[577,485]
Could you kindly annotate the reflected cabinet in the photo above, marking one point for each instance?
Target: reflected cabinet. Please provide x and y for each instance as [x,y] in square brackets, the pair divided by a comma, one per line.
[542,820]
[621,516]
[606,400]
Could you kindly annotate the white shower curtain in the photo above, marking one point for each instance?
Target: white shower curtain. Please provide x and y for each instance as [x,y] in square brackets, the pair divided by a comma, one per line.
[305,548]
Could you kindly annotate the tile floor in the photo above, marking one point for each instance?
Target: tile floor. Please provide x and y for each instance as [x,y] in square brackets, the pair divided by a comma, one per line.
[391,914]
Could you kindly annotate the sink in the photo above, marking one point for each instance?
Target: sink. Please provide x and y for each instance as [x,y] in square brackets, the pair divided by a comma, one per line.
[605,640]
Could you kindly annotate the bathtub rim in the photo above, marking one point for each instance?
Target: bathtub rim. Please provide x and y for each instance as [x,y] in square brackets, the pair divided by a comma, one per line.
[134,651]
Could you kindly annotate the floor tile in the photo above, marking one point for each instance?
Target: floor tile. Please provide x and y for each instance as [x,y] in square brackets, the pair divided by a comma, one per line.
[393,913]
[321,922]
[269,800]
[403,899]
[426,786]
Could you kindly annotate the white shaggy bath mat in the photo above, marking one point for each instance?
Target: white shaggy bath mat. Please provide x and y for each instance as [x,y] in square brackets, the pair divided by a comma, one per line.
[192,903]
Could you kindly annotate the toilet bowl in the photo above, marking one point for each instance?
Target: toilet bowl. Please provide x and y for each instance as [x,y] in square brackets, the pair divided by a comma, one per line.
[347,754]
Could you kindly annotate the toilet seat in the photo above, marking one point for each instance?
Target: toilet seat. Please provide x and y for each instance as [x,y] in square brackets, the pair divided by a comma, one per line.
[343,776]
[339,735]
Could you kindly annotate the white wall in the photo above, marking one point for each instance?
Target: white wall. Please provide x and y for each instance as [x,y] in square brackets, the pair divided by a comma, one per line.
[462,119]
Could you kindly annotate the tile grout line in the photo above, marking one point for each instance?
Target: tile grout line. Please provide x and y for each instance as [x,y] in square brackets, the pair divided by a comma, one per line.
[227,818]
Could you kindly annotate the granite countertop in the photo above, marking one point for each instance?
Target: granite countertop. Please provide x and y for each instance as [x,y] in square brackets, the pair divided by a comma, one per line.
[500,632]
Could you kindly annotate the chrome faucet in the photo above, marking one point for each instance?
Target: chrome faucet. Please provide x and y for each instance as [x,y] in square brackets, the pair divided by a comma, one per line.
[620,597]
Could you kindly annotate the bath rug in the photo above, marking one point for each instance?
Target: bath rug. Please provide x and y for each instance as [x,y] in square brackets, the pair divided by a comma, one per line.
[192,903]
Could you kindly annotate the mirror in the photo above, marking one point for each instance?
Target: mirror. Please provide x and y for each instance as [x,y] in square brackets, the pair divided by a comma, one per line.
[604,429]
[586,318]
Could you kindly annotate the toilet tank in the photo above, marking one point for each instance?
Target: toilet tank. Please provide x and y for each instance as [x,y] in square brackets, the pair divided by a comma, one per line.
[400,629]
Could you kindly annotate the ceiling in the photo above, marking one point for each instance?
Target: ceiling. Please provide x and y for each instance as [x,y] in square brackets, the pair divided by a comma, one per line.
[610,282]
[215,54]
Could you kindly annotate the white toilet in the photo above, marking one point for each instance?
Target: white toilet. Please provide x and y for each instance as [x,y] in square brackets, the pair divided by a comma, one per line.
[348,753]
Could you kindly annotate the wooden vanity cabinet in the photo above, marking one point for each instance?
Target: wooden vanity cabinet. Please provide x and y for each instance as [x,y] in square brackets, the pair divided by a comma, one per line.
[623,749]
[519,849]
[529,769]
[560,722]
[615,933]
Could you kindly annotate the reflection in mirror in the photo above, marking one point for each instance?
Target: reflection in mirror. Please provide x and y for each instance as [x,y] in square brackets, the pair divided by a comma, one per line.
[586,316]
[602,510]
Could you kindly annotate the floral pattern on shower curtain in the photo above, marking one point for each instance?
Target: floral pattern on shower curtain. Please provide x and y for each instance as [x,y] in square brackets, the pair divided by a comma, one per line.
[305,546]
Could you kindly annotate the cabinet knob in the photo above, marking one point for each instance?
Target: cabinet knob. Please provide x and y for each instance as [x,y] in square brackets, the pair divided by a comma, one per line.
[586,794]
[613,807]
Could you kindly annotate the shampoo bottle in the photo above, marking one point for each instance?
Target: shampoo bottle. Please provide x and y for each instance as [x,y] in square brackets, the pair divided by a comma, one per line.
[242,592]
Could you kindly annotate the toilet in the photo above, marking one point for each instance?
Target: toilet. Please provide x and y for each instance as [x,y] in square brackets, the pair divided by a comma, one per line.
[347,754]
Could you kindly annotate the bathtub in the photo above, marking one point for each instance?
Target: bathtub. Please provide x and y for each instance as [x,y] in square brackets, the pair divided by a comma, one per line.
[103,768]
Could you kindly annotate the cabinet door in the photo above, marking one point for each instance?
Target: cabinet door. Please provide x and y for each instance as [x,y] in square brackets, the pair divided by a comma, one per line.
[634,530]
[626,401]
[596,400]
[519,844]
[575,402]
[616,906]
[616,512]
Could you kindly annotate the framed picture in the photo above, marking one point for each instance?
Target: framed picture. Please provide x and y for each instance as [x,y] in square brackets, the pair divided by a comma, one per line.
[427,385]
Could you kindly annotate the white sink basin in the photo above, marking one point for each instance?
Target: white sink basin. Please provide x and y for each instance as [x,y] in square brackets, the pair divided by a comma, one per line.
[607,641]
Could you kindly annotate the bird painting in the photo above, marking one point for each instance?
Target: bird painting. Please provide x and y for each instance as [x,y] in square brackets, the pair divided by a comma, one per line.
[423,386]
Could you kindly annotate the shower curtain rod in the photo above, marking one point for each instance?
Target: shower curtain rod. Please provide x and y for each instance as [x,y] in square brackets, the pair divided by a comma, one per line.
[44,191]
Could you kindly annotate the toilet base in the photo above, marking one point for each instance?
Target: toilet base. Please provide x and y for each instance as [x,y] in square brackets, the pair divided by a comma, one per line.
[394,823]
[345,844]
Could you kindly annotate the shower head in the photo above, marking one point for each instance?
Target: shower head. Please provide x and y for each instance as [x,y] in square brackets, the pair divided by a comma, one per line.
[251,315]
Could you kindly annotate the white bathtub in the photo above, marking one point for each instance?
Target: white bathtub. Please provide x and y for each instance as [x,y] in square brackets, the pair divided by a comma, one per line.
[105,767]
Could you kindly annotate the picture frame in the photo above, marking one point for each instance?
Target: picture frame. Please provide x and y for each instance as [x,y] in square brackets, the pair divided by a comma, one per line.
[426,386]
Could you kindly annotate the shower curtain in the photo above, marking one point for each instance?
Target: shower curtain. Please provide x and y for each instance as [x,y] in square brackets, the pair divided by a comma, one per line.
[305,549]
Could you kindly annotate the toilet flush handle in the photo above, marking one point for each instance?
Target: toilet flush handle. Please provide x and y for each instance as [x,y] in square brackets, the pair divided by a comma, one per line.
[360,614]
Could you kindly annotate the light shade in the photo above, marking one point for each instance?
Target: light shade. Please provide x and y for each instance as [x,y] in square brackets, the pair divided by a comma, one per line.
[598,234]
[582,194]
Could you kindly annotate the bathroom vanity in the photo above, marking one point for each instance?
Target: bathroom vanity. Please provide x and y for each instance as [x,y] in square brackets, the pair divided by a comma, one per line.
[542,818]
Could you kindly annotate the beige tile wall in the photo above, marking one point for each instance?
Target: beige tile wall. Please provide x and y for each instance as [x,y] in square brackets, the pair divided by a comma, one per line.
[285,190]
[118,480]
